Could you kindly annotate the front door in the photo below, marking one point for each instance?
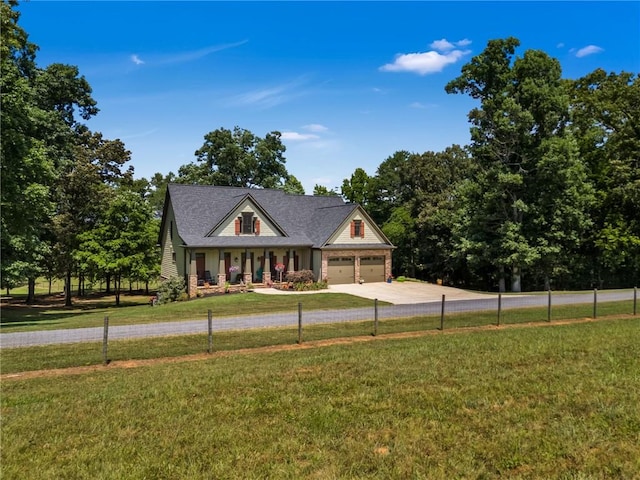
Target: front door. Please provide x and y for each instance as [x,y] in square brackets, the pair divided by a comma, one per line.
[200,265]
[227,264]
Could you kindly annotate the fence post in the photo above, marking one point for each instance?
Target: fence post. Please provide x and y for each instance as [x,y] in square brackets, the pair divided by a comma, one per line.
[210,330]
[299,323]
[375,317]
[105,340]
[635,300]
[442,314]
[499,307]
[595,303]
[549,306]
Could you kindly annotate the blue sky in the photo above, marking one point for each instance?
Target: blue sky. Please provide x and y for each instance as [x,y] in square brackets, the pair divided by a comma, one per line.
[347,83]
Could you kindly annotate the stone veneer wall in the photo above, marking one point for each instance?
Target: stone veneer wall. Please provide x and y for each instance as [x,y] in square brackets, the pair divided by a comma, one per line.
[193,286]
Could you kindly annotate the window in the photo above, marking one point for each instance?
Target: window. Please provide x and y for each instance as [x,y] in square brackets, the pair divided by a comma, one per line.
[173,257]
[357,228]
[247,224]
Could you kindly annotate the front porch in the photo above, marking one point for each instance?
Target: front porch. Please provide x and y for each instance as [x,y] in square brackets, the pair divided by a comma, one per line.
[212,271]
[214,289]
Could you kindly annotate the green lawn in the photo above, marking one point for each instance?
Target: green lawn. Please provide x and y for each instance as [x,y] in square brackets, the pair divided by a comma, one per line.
[559,402]
[91,353]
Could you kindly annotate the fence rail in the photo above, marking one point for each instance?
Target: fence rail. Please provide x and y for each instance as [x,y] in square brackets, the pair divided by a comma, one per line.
[155,340]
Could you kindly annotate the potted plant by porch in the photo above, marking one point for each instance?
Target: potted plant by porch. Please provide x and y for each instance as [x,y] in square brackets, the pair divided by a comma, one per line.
[233,269]
[279,268]
[227,286]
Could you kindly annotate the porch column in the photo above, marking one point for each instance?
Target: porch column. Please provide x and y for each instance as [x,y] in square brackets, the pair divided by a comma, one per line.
[248,274]
[192,288]
[266,271]
[222,276]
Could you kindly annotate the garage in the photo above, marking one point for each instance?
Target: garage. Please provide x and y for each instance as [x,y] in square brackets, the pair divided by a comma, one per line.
[372,269]
[341,270]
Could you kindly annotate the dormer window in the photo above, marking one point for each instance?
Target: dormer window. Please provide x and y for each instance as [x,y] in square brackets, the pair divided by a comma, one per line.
[357,229]
[247,224]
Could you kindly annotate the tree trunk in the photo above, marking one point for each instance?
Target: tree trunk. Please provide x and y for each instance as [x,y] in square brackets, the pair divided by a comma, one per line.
[31,295]
[108,280]
[116,287]
[515,280]
[67,289]
[146,287]
[50,282]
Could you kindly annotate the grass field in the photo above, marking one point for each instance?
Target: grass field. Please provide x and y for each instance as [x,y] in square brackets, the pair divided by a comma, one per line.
[556,402]
[91,353]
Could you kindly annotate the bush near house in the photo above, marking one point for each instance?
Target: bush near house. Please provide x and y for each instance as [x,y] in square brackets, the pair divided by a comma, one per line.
[303,280]
[172,290]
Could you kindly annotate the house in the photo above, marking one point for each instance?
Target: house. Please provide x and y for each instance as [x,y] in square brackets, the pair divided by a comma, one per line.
[211,235]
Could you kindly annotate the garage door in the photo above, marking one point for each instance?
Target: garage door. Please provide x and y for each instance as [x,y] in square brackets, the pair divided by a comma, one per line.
[341,270]
[372,269]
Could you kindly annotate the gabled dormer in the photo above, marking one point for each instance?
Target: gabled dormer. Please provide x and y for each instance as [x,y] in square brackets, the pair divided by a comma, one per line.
[358,228]
[247,218]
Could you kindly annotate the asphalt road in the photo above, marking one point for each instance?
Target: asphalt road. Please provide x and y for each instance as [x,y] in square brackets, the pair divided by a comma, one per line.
[488,302]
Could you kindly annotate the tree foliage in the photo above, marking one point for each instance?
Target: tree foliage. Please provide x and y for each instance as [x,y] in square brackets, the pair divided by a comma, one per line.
[238,158]
[57,176]
[120,242]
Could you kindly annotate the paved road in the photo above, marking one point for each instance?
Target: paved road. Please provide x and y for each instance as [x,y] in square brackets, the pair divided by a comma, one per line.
[48,337]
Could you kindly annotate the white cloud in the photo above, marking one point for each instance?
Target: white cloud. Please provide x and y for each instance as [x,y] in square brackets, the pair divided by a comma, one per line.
[315,127]
[445,45]
[183,57]
[560,45]
[588,50]
[295,136]
[418,105]
[442,45]
[271,96]
[424,63]
[196,54]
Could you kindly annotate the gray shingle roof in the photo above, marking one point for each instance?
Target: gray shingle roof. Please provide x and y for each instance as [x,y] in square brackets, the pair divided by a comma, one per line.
[305,220]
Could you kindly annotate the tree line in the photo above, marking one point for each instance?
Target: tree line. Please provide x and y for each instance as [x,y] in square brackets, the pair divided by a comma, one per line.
[546,194]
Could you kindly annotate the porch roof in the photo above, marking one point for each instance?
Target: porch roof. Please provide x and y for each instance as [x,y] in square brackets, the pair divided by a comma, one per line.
[246,242]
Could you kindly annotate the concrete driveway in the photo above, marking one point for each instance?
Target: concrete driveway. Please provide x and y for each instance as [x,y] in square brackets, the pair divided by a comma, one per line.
[397,293]
[407,292]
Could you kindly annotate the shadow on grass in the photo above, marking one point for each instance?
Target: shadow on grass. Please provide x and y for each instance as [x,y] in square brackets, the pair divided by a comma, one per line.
[51,310]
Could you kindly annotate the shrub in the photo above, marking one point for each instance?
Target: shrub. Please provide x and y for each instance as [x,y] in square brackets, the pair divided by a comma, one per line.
[401,279]
[170,290]
[301,276]
[303,287]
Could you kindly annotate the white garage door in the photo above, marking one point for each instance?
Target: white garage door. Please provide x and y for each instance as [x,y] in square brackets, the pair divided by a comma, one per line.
[372,269]
[341,270]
